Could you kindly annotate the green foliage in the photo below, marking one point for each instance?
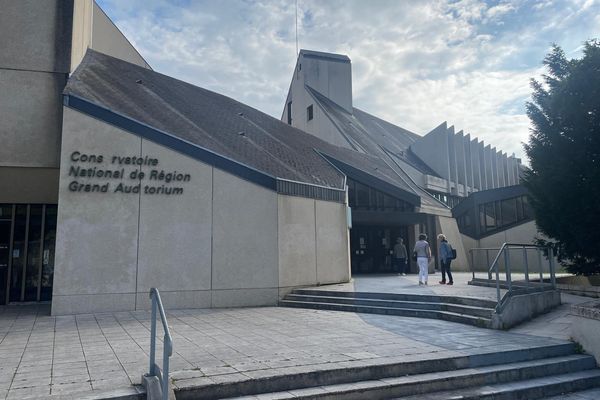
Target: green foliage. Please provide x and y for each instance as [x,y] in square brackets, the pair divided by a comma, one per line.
[564,152]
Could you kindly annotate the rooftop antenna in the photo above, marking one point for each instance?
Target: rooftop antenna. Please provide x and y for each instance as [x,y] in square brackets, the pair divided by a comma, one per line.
[296,28]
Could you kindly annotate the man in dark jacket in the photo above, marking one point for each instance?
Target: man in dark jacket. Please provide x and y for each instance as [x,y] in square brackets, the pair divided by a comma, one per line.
[445,260]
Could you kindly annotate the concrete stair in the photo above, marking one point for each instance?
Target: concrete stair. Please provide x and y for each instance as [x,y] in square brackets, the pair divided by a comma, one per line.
[471,311]
[534,373]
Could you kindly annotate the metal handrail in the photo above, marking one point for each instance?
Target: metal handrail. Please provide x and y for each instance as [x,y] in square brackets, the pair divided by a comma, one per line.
[504,250]
[154,370]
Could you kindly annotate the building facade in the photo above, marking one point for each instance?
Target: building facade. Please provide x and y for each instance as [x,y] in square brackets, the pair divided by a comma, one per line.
[439,171]
[115,178]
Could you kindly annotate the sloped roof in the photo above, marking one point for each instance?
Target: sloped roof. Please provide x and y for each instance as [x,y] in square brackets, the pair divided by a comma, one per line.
[369,134]
[216,123]
[377,138]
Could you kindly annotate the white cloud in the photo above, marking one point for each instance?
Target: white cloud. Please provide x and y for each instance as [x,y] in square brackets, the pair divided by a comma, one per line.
[415,63]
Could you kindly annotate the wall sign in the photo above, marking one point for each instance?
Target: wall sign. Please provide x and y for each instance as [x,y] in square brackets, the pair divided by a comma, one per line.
[123,174]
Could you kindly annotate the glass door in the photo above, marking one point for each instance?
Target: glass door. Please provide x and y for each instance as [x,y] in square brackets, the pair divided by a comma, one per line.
[27,236]
[6,212]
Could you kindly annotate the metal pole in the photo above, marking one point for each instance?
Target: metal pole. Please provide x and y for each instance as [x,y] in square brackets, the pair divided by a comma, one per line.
[507,266]
[152,335]
[487,257]
[539,253]
[472,262]
[526,266]
[551,265]
[165,371]
[497,282]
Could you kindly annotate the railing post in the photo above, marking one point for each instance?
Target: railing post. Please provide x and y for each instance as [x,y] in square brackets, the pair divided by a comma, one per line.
[165,371]
[541,265]
[526,266]
[507,266]
[551,266]
[487,258]
[472,262]
[153,335]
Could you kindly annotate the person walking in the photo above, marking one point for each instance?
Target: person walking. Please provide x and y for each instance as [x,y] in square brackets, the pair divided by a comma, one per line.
[423,254]
[400,257]
[446,257]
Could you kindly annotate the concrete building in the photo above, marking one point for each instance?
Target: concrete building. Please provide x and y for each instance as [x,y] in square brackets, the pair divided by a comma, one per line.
[438,170]
[115,178]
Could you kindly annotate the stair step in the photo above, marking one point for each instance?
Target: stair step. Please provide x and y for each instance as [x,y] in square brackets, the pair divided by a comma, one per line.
[404,312]
[395,367]
[469,301]
[574,372]
[531,389]
[425,305]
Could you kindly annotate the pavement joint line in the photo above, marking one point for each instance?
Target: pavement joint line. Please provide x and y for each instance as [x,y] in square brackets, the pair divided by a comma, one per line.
[53,349]
[22,354]
[112,348]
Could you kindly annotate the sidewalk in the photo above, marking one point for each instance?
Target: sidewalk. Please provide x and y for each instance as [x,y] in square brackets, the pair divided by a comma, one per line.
[85,355]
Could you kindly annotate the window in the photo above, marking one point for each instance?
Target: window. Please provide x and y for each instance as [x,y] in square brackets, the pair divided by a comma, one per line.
[309,113]
[500,214]
[289,113]
[366,198]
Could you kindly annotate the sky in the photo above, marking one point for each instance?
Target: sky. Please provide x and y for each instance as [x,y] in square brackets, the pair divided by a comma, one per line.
[415,63]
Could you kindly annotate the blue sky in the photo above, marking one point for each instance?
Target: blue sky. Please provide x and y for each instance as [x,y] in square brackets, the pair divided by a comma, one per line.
[416,63]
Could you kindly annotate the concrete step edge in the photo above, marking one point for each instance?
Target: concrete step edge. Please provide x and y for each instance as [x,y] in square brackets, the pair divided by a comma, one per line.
[531,389]
[431,383]
[399,296]
[436,303]
[367,372]
[374,309]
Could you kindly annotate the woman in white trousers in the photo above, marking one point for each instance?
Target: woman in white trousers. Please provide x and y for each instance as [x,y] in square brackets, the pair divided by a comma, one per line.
[423,253]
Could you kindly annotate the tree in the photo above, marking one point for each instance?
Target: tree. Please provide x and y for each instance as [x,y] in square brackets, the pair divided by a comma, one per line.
[564,152]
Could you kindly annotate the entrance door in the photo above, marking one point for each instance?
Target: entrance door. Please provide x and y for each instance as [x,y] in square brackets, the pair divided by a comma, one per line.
[27,234]
[371,248]
[5,229]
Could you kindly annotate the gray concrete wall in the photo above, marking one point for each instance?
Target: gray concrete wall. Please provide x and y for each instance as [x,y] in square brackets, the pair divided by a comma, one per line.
[332,78]
[223,242]
[35,35]
[30,118]
[525,307]
[333,243]
[28,185]
[97,233]
[313,243]
[34,61]
[585,326]
[92,28]
[320,126]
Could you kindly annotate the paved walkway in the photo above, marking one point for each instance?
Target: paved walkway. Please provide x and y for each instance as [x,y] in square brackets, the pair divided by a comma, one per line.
[84,355]
[387,283]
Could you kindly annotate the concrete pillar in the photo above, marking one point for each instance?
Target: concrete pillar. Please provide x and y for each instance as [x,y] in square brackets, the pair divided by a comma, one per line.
[475,163]
[469,162]
[452,159]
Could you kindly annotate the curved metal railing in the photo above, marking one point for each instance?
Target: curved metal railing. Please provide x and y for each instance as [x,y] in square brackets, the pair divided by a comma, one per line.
[504,250]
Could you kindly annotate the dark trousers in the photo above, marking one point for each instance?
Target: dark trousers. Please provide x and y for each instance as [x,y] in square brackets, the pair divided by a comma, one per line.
[400,265]
[446,270]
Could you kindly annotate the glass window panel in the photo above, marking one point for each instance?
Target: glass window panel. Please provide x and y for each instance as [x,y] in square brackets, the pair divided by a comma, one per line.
[362,195]
[490,216]
[48,253]
[527,211]
[389,202]
[509,211]
[519,201]
[18,253]
[34,252]
[6,212]
[498,214]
